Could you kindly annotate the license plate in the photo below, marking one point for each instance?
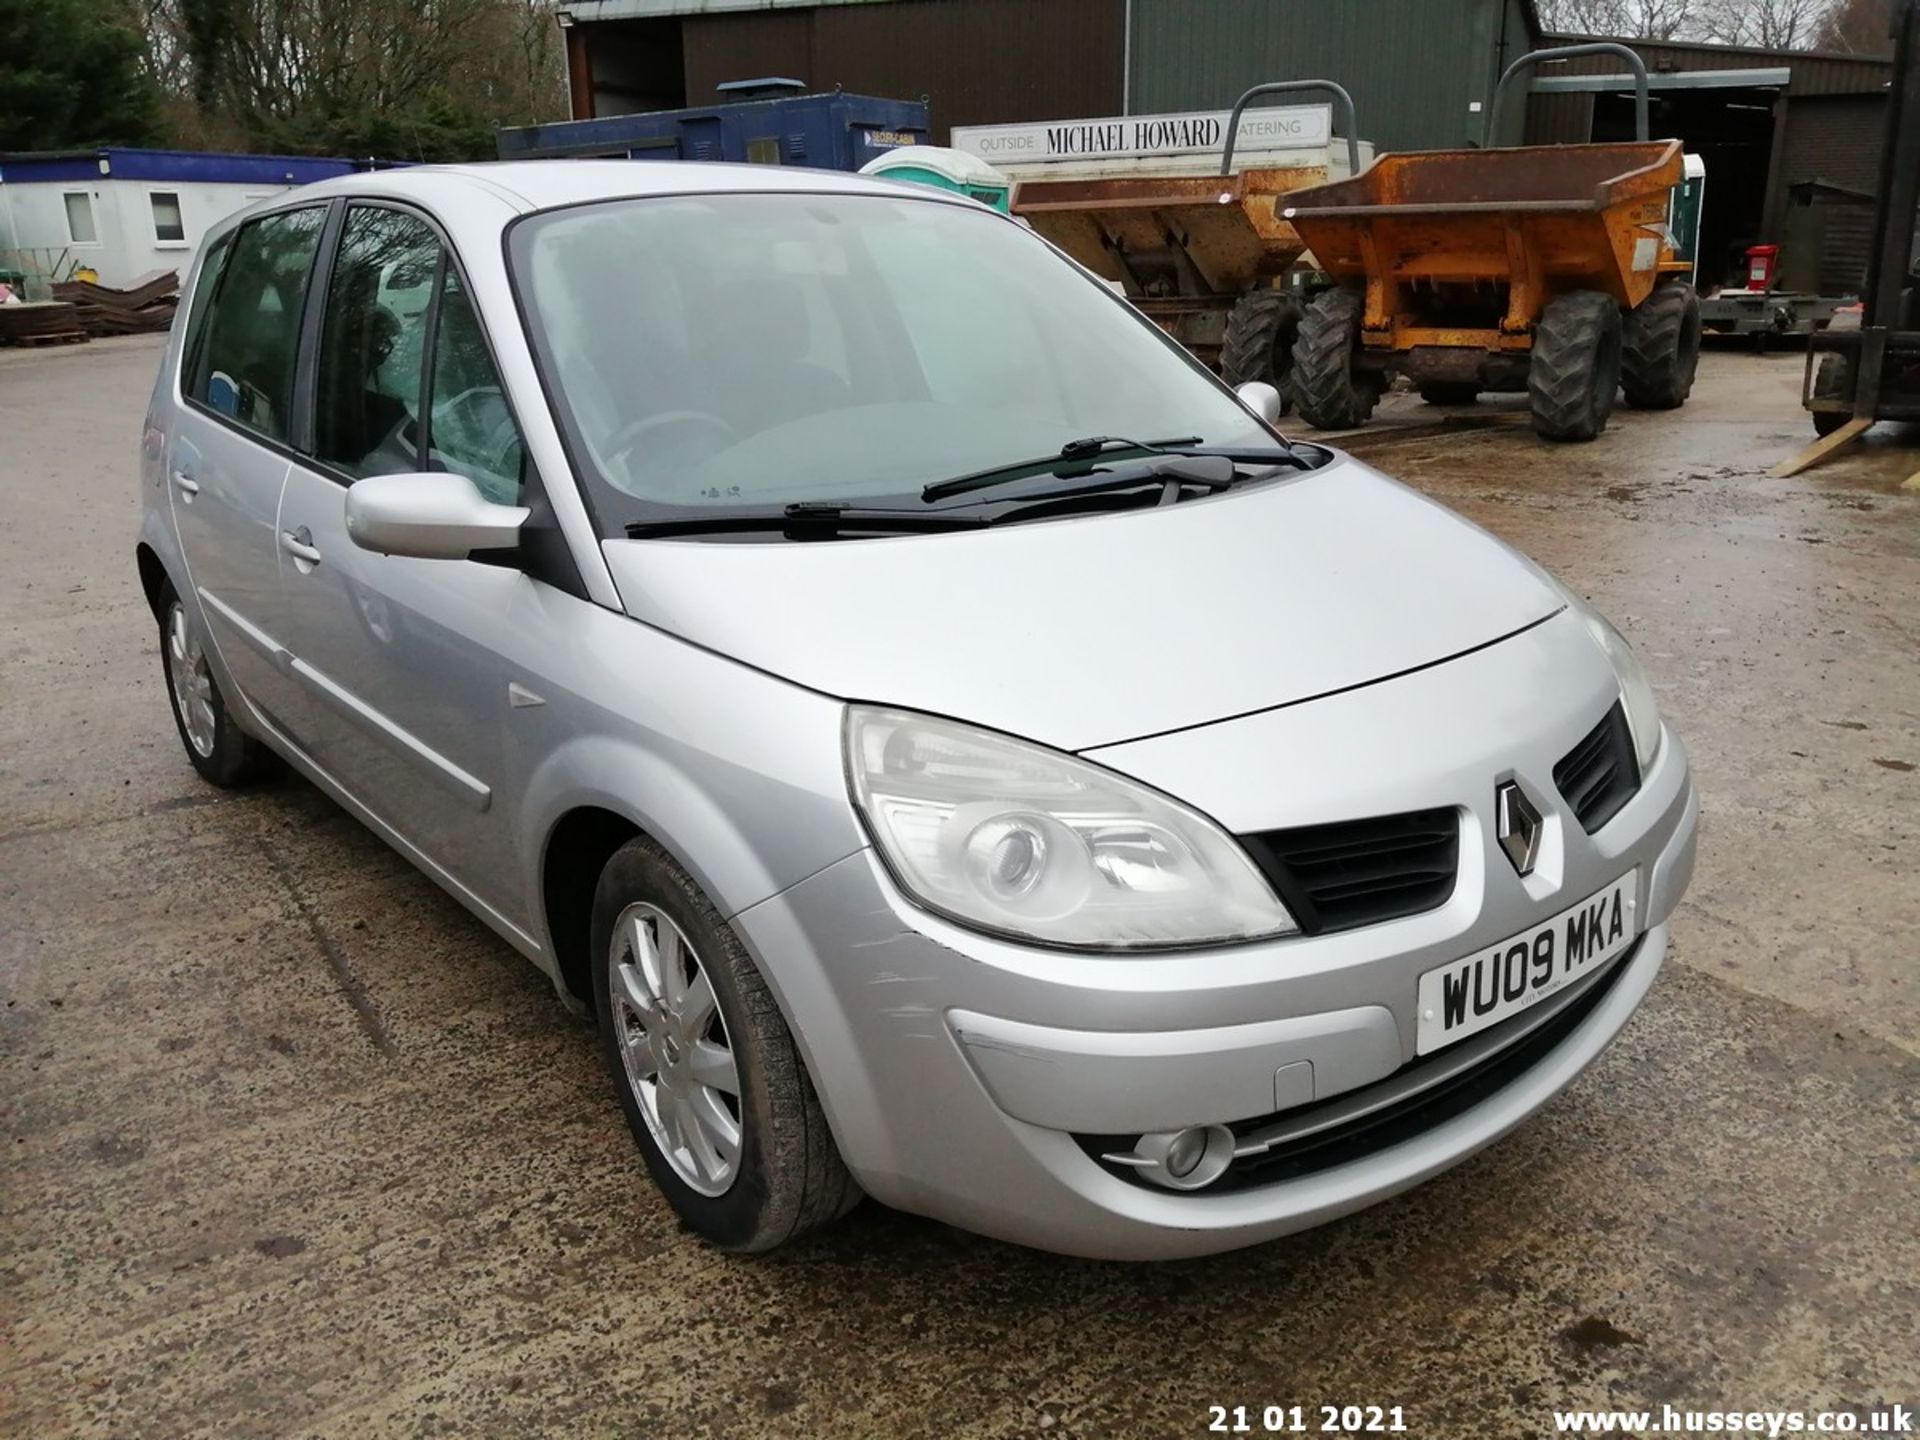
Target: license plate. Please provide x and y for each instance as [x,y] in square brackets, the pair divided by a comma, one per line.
[1466,996]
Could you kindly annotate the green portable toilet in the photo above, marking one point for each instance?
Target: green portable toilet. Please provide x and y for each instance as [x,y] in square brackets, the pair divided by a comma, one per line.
[1683,213]
[945,169]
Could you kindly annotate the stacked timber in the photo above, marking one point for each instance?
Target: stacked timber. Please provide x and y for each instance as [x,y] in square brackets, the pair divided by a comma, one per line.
[40,322]
[144,306]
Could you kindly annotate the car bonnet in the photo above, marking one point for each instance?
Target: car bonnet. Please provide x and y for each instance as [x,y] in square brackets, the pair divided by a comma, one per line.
[1104,628]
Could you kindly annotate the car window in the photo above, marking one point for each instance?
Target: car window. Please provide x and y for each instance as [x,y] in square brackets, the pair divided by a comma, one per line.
[368,383]
[253,329]
[472,429]
[200,306]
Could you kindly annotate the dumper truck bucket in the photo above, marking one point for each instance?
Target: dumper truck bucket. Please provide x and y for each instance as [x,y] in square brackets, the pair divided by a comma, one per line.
[1200,235]
[1541,219]
[1171,234]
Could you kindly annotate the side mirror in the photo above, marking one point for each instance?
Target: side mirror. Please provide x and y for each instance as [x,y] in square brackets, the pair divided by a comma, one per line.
[1262,399]
[429,517]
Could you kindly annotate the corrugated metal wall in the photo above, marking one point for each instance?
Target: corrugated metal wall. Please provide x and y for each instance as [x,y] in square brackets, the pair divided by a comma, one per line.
[1829,128]
[1416,68]
[1814,73]
[749,46]
[1567,118]
[979,62]
[1837,138]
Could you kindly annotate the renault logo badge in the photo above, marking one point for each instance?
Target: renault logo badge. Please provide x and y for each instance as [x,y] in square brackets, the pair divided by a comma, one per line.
[1517,824]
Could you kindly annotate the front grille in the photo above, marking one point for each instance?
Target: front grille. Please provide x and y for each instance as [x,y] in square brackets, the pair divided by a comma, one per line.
[1359,872]
[1394,1124]
[1600,774]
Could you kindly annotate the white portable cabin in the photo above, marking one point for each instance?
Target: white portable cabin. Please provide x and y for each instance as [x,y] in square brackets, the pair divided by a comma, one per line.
[125,213]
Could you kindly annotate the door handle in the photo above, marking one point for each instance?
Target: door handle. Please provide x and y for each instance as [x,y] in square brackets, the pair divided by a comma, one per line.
[299,544]
[185,483]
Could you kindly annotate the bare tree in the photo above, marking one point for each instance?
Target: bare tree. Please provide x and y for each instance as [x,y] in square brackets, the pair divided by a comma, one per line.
[1770,24]
[1584,17]
[237,73]
[1857,27]
[1630,19]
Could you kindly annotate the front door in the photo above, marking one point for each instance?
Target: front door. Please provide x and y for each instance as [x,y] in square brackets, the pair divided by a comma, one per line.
[402,656]
[227,459]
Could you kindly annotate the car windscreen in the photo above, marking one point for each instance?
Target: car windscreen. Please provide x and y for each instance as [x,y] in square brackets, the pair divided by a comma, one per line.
[744,352]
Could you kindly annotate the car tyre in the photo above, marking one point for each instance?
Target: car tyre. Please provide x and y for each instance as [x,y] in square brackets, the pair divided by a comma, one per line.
[1575,369]
[1331,389]
[697,1046]
[223,753]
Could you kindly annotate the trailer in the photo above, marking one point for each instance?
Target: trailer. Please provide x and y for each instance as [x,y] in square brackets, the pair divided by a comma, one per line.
[1545,269]
[764,122]
[1762,314]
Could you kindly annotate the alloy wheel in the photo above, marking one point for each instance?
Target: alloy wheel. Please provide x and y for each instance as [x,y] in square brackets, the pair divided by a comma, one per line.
[674,1049]
[192,683]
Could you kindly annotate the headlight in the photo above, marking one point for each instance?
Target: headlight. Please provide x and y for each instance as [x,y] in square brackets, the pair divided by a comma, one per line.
[1636,692]
[1016,838]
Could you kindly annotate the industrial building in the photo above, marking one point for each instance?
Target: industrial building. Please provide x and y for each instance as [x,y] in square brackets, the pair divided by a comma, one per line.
[1787,137]
[1791,141]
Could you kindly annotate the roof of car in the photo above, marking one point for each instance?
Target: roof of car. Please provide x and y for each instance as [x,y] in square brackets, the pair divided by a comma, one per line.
[544,184]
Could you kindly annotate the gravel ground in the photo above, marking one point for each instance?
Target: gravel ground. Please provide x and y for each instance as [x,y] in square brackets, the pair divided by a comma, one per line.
[294,1146]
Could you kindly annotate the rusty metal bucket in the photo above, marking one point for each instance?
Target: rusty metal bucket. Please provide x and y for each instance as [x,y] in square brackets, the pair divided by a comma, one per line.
[1172,234]
[1538,220]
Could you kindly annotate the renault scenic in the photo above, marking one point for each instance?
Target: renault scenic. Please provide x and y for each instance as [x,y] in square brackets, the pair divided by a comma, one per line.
[955,749]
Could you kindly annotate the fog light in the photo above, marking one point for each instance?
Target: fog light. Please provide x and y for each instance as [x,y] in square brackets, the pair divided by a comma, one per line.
[1189,1147]
[1189,1159]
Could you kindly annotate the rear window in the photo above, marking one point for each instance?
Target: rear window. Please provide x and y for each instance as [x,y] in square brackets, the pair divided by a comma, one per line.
[245,370]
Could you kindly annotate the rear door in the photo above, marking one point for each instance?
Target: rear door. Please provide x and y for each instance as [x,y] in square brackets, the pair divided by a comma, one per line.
[229,448]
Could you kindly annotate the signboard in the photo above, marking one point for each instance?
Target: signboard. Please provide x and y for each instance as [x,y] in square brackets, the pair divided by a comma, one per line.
[1195,132]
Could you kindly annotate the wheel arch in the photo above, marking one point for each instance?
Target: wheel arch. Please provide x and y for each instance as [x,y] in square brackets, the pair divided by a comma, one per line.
[577,849]
[595,794]
[153,575]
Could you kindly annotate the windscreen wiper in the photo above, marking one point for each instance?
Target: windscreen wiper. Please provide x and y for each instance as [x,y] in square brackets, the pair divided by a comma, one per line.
[1174,473]
[1082,453]
[1074,452]
[815,518]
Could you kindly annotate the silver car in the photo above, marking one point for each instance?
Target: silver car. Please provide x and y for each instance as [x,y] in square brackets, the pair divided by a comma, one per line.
[957,750]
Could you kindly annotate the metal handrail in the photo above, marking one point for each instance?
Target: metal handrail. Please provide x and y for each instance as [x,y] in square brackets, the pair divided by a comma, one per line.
[1641,128]
[1343,104]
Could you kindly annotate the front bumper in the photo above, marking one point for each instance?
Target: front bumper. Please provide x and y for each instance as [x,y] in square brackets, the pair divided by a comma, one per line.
[961,1073]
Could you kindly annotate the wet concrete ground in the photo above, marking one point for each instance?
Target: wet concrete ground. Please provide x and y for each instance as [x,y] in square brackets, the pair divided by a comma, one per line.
[293,1146]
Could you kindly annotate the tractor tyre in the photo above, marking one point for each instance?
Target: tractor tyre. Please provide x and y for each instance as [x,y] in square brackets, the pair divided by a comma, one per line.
[1330,389]
[1575,368]
[1832,381]
[1660,348]
[1449,392]
[1259,341]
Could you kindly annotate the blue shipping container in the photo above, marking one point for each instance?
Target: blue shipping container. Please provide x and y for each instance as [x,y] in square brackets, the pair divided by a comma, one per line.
[826,132]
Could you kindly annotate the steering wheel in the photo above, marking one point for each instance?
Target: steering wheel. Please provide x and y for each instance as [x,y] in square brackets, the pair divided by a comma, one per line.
[495,432]
[687,422]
